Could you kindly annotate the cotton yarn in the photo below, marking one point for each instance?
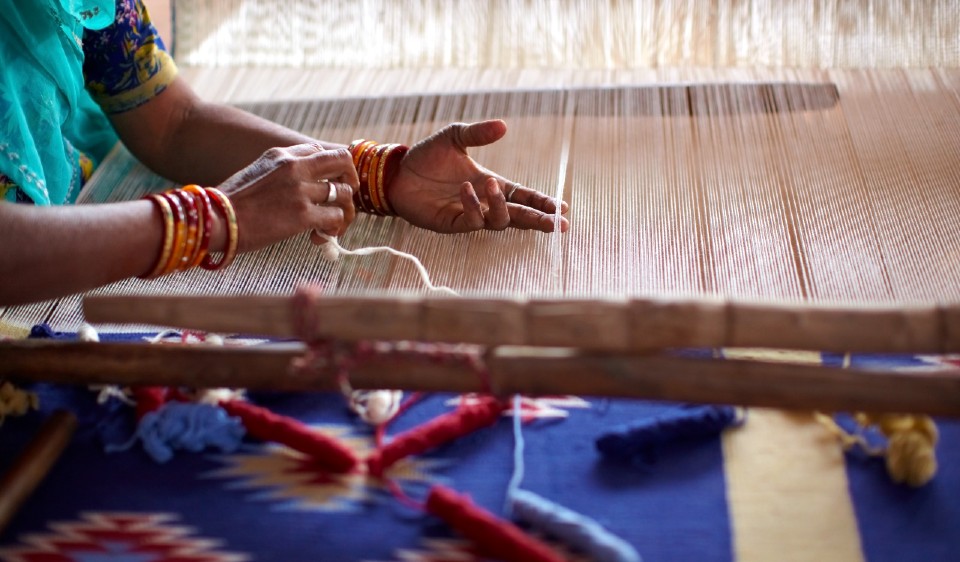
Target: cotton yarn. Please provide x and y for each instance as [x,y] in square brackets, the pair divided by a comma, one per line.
[579,531]
[332,251]
[15,401]
[375,407]
[638,441]
[910,452]
[183,425]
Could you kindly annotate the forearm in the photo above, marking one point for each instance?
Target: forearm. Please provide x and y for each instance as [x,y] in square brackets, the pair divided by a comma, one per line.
[188,140]
[216,141]
[52,251]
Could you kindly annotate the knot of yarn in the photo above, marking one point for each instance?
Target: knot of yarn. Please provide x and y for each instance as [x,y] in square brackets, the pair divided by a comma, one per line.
[180,425]
[910,451]
[911,446]
[15,402]
[375,406]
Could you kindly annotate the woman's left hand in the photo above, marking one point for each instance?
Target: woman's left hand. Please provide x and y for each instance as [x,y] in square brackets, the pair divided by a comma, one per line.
[439,187]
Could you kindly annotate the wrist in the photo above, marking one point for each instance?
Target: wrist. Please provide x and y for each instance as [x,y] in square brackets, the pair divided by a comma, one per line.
[195,222]
[377,166]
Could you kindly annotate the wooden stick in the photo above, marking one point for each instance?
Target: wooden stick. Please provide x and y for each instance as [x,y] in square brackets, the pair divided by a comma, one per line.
[34,463]
[529,371]
[610,325]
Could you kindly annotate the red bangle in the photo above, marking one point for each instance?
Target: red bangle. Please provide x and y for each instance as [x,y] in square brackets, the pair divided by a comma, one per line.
[233,232]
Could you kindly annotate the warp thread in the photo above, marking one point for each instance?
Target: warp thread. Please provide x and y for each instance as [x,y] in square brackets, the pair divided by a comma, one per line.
[493,537]
[638,441]
[910,451]
[332,455]
[187,426]
[447,427]
[15,401]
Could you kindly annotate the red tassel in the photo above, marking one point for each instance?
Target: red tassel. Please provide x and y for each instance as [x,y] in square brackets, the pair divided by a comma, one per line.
[493,537]
[439,430]
[268,426]
[149,399]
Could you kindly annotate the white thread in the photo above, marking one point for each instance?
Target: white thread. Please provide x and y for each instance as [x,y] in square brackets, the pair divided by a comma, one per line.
[424,275]
[87,333]
[329,251]
[375,406]
[107,391]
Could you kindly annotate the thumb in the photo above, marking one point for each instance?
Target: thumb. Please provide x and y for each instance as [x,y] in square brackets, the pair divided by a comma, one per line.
[478,134]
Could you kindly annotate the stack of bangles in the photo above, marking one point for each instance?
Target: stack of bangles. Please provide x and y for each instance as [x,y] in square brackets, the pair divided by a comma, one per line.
[187,215]
[376,166]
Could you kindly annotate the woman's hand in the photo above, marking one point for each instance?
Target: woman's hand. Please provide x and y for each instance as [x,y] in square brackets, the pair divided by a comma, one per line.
[291,190]
[439,187]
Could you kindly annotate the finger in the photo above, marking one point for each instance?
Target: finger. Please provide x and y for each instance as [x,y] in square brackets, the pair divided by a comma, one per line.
[330,164]
[526,218]
[472,216]
[477,134]
[523,195]
[328,220]
[498,217]
[341,195]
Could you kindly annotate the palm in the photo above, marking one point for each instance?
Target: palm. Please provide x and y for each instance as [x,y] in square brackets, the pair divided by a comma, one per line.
[439,187]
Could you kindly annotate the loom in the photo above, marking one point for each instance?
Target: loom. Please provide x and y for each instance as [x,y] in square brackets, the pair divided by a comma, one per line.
[792,166]
[794,170]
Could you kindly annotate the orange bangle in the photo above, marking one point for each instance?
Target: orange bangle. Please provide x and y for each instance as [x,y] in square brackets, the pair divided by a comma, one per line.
[191,241]
[363,171]
[233,231]
[358,148]
[166,216]
[180,233]
[373,177]
[205,211]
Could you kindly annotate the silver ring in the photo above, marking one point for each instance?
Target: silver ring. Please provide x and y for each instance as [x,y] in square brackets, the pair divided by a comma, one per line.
[512,191]
[332,194]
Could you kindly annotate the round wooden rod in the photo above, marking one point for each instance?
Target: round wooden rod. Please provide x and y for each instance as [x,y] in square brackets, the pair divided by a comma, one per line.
[34,463]
[597,324]
[511,370]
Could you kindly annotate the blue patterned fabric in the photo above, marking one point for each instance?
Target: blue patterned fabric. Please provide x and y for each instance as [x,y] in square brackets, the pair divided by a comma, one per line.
[263,502]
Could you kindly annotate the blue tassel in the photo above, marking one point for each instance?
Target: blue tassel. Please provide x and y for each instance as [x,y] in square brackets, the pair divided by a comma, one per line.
[180,425]
[574,529]
[639,440]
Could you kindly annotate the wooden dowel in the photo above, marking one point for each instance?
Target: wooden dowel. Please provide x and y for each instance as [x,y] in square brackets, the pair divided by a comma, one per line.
[531,371]
[610,325]
[34,463]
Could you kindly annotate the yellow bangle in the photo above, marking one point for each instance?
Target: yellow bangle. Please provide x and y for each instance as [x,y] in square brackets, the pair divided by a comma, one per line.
[166,216]
[179,232]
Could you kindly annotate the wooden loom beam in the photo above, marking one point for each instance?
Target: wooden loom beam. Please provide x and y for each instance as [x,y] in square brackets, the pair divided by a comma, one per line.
[621,325]
[530,371]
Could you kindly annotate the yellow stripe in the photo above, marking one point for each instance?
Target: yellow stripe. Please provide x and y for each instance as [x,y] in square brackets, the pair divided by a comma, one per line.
[787,486]
[11,331]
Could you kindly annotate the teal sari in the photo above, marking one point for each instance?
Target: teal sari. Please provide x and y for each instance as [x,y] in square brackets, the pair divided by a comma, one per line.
[50,128]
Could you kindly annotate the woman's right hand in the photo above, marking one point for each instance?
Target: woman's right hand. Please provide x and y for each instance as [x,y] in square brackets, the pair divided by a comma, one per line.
[287,191]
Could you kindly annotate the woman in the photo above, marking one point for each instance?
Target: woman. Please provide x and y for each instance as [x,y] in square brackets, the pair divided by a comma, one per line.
[74,68]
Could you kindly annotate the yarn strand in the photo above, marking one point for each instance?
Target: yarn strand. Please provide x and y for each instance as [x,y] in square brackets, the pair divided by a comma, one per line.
[424,274]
